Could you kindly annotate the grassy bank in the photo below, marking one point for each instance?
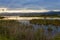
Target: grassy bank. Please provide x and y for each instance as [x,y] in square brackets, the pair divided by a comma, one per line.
[45,22]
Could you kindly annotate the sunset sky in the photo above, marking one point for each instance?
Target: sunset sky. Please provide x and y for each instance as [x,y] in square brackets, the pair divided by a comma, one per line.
[31,4]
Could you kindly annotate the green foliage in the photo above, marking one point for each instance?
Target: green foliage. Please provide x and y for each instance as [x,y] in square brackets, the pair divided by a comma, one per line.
[3,38]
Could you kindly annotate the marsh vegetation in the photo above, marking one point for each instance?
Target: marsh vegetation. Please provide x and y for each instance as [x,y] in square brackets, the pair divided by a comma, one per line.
[45,22]
[14,30]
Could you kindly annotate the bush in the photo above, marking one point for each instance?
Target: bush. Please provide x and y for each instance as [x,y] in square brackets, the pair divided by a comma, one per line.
[2,17]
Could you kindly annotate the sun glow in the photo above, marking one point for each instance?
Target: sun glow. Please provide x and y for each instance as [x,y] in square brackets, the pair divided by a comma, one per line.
[3,10]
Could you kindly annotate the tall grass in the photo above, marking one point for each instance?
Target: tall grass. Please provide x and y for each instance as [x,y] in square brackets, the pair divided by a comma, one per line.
[13,30]
[45,22]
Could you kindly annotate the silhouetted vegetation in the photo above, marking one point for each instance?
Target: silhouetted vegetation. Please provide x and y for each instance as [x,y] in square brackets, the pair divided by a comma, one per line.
[41,15]
[2,17]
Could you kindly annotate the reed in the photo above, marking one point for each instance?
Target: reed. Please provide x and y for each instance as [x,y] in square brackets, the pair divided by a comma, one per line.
[45,22]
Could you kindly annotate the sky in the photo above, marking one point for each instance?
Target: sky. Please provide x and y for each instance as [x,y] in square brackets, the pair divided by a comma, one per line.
[31,4]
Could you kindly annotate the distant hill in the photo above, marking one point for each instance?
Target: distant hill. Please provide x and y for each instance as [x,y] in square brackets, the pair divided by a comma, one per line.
[50,13]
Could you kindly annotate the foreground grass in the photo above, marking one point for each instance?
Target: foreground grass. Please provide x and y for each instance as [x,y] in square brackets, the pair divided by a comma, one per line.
[13,30]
